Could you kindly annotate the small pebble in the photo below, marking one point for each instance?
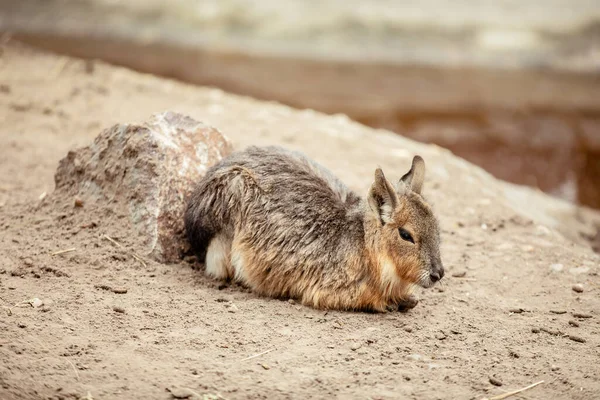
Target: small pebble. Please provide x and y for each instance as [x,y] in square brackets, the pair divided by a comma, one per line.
[557,267]
[574,323]
[551,331]
[292,301]
[78,203]
[577,338]
[119,309]
[495,381]
[408,329]
[181,393]
[459,274]
[232,308]
[558,311]
[355,346]
[36,303]
[440,336]
[28,262]
[21,325]
[119,290]
[516,310]
[582,315]
[265,366]
[535,330]
[578,287]
[555,368]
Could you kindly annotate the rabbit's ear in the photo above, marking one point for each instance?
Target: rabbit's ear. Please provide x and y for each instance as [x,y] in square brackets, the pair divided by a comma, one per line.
[414,178]
[382,197]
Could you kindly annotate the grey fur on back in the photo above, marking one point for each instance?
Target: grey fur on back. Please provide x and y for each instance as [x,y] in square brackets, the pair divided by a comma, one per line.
[287,207]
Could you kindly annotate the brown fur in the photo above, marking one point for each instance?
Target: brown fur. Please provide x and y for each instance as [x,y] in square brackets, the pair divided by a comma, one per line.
[283,225]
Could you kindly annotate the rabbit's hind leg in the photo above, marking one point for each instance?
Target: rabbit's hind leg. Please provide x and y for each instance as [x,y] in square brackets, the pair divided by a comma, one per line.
[218,256]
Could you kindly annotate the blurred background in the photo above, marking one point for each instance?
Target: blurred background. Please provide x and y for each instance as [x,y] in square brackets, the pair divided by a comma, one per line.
[513,86]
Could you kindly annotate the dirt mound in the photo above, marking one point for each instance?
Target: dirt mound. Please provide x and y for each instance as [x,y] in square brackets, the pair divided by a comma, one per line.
[112,327]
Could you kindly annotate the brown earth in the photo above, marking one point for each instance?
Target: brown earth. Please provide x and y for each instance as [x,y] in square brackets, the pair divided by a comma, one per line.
[506,311]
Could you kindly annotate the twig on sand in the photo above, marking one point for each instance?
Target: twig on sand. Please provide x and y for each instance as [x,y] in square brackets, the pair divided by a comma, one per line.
[137,257]
[113,241]
[258,355]
[74,369]
[508,394]
[64,251]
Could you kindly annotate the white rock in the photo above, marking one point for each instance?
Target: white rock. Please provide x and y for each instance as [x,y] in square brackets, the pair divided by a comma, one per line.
[557,267]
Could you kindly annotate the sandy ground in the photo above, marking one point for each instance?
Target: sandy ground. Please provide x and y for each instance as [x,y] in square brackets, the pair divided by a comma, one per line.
[506,311]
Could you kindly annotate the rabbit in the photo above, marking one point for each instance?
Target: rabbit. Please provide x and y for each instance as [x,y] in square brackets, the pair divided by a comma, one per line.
[284,226]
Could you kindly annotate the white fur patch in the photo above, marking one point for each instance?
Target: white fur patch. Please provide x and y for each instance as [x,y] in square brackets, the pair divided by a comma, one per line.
[389,277]
[239,267]
[386,213]
[217,257]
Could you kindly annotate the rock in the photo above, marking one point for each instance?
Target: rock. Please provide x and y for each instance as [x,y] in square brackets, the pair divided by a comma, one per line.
[265,366]
[582,315]
[78,203]
[440,335]
[147,168]
[28,262]
[119,290]
[119,309]
[574,323]
[459,274]
[415,357]
[577,338]
[36,303]
[181,393]
[554,368]
[535,330]
[232,308]
[22,325]
[578,287]
[355,346]
[557,267]
[494,381]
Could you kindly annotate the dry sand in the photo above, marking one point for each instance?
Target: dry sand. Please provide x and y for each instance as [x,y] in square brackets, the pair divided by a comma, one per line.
[506,310]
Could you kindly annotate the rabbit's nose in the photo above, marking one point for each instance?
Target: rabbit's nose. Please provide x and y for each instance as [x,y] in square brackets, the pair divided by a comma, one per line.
[437,272]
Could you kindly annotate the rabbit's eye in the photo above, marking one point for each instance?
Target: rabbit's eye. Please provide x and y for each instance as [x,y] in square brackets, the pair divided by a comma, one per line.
[405,235]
